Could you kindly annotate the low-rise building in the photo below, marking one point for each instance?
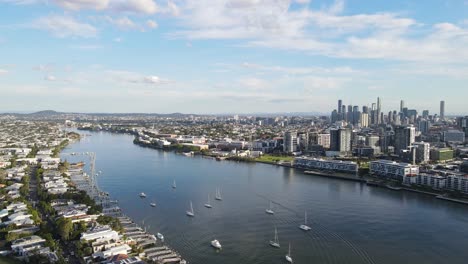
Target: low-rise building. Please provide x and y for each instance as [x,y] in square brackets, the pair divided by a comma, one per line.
[441,154]
[100,233]
[122,249]
[392,170]
[27,245]
[322,164]
[457,182]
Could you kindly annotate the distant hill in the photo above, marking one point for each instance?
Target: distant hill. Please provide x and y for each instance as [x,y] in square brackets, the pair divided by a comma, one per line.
[45,113]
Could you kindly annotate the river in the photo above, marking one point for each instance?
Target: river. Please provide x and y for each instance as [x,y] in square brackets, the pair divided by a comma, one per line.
[351,222]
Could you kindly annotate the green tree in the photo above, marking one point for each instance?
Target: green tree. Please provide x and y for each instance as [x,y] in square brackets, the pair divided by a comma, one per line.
[64,228]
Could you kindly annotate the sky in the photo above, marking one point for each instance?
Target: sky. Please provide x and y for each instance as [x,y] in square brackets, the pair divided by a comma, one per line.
[232,56]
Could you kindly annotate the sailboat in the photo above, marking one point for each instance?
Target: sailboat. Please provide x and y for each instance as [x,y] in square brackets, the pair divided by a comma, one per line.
[288,256]
[218,195]
[275,243]
[190,212]
[208,205]
[174,185]
[305,227]
[269,210]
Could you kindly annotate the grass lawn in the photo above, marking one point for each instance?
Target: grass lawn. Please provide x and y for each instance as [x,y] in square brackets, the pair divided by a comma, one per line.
[274,159]
[5,260]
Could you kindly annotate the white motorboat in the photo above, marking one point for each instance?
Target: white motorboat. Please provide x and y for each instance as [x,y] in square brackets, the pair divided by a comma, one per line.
[275,242]
[208,205]
[153,204]
[190,212]
[215,243]
[305,227]
[288,256]
[142,195]
[174,185]
[270,210]
[160,236]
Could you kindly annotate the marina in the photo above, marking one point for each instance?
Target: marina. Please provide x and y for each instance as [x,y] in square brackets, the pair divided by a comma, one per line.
[153,246]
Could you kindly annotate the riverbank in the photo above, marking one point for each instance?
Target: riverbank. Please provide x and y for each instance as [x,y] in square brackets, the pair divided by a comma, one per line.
[334,175]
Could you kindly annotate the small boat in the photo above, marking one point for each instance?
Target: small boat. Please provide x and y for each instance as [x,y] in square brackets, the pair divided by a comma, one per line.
[208,205]
[305,227]
[190,212]
[174,185]
[275,242]
[288,256]
[215,243]
[218,195]
[160,236]
[269,210]
[142,195]
[153,204]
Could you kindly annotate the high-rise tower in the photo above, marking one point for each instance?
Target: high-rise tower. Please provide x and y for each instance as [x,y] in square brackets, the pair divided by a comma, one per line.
[442,110]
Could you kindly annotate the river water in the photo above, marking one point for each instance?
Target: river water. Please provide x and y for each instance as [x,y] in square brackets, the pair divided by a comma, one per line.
[351,222]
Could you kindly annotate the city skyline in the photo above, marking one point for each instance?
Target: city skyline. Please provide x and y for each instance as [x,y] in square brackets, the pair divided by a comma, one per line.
[237,56]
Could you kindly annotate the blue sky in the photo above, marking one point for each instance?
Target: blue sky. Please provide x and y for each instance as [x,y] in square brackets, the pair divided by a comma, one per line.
[219,56]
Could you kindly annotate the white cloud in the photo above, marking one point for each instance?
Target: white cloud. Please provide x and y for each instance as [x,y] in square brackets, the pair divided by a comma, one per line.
[86,47]
[153,80]
[313,83]
[122,22]
[43,68]
[3,71]
[82,4]
[326,32]
[65,26]
[301,70]
[151,23]
[302,2]
[253,83]
[145,7]
[135,78]
[50,78]
[337,7]
[134,6]
[173,8]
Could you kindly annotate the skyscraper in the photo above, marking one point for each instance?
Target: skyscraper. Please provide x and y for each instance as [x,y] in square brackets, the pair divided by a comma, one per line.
[290,142]
[404,137]
[402,105]
[364,119]
[340,103]
[365,109]
[379,110]
[340,139]
[442,110]
[349,117]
